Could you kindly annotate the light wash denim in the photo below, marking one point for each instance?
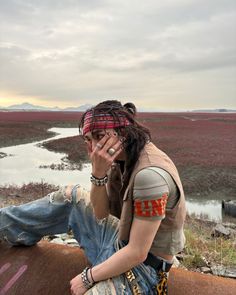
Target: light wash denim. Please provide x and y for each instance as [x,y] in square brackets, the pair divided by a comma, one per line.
[28,223]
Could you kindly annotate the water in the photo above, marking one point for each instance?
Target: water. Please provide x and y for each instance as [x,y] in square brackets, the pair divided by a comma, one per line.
[206,209]
[23,167]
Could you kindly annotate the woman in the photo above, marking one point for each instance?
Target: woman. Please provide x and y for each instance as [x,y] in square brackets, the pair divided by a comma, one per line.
[133,226]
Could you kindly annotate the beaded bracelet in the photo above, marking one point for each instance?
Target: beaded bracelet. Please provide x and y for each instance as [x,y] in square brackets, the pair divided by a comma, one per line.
[98,181]
[91,275]
[85,280]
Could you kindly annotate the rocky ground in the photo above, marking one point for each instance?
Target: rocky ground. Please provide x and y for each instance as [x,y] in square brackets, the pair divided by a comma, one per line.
[210,247]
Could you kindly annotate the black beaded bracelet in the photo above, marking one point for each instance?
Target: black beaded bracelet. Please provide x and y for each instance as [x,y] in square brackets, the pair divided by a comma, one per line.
[98,181]
[85,280]
[91,275]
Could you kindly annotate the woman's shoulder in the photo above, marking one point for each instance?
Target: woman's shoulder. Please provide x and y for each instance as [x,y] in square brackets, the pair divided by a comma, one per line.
[150,177]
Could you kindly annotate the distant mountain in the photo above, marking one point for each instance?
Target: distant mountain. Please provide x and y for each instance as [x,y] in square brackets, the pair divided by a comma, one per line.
[214,111]
[82,108]
[25,106]
[30,107]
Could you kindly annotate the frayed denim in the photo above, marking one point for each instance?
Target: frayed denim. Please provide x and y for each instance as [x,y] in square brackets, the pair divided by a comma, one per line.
[28,223]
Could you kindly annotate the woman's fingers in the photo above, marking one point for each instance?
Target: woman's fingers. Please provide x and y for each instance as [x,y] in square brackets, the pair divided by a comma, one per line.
[115,149]
[102,141]
[109,140]
[112,143]
[104,153]
[118,144]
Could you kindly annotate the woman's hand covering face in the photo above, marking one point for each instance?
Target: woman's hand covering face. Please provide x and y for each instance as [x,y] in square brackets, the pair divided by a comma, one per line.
[98,145]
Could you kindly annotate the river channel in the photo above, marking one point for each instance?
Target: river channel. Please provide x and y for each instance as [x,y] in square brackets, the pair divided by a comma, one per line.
[23,161]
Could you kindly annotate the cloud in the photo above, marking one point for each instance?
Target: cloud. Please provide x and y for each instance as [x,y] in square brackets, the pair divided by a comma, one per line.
[90,50]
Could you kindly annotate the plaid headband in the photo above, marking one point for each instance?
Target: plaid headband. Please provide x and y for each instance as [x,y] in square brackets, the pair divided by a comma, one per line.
[103,121]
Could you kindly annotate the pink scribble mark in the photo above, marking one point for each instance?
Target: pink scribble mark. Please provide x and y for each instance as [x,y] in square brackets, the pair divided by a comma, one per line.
[4,267]
[12,281]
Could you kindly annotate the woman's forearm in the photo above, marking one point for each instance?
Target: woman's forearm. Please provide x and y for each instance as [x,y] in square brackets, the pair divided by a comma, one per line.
[120,262]
[99,200]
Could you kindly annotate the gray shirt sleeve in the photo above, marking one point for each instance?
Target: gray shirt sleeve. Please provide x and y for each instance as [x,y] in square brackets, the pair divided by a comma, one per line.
[154,190]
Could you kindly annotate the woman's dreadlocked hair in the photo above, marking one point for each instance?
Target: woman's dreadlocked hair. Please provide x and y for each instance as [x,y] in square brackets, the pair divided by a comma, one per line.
[135,134]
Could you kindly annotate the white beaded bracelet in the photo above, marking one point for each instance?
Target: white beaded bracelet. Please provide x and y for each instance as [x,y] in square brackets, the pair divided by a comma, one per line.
[98,181]
[85,280]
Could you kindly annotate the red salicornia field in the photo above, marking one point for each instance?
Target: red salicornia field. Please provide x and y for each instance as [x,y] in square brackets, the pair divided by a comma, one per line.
[202,145]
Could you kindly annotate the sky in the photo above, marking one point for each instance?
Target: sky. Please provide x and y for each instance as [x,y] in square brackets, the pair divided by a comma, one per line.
[161,55]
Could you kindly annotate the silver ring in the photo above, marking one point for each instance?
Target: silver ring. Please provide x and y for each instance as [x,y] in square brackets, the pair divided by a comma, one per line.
[99,146]
[111,151]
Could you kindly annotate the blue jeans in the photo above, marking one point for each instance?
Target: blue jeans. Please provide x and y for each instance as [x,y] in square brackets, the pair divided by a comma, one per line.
[54,214]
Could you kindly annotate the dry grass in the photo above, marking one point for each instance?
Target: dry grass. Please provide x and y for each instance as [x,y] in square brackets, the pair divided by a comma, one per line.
[17,195]
[201,249]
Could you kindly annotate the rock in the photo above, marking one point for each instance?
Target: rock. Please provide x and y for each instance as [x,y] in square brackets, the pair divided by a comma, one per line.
[230,225]
[57,241]
[62,236]
[206,261]
[220,231]
[71,241]
[73,245]
[63,239]
[232,233]
[205,269]
[229,207]
[50,237]
[220,270]
[176,262]
[180,256]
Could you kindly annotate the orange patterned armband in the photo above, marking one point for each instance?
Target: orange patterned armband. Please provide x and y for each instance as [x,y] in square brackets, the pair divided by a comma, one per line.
[149,208]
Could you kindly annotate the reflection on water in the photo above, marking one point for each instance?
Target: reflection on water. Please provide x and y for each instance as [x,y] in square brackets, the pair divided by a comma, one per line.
[210,209]
[23,167]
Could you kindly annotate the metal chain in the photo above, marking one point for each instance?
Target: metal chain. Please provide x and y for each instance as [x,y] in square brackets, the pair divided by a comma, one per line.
[131,278]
